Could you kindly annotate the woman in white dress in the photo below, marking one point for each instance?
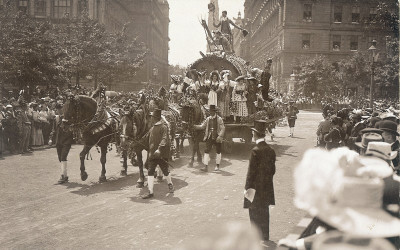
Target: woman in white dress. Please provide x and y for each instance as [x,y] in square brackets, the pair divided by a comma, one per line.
[214,85]
[224,94]
[239,99]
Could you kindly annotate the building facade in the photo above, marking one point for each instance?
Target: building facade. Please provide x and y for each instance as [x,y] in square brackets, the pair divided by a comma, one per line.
[288,29]
[146,20]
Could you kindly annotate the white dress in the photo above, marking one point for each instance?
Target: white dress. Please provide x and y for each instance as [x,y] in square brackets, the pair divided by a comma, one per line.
[212,95]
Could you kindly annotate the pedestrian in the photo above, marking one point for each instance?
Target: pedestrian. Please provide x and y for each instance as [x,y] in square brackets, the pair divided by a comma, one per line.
[336,135]
[291,113]
[389,135]
[2,117]
[158,139]
[10,125]
[323,129]
[214,134]
[63,137]
[259,188]
[37,132]
[24,129]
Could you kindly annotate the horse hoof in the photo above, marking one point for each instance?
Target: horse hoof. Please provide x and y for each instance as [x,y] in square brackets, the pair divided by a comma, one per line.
[102,179]
[84,176]
[123,173]
[140,185]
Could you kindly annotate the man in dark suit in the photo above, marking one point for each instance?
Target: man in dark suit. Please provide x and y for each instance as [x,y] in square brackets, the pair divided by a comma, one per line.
[259,188]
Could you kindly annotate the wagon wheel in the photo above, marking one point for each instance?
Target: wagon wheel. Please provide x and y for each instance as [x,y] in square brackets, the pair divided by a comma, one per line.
[227,145]
[248,137]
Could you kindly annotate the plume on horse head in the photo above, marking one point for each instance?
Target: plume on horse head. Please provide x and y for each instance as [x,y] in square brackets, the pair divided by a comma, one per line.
[79,109]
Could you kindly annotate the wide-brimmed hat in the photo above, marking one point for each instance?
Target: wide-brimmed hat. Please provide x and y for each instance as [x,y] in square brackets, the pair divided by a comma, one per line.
[9,106]
[381,150]
[387,115]
[260,126]
[366,138]
[240,78]
[213,107]
[371,130]
[388,126]
[345,192]
[339,240]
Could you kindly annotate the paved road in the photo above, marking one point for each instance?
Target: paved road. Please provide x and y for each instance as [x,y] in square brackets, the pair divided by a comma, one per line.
[37,214]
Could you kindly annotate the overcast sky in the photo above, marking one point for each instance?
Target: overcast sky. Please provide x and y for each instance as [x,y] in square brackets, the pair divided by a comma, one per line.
[186,34]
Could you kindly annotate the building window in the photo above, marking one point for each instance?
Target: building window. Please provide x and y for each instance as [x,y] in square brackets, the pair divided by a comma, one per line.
[373,11]
[337,14]
[355,14]
[40,7]
[336,42]
[82,6]
[23,6]
[61,8]
[307,14]
[306,41]
[354,43]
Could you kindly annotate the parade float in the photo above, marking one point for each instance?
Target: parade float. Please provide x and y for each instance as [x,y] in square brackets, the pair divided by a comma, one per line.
[220,57]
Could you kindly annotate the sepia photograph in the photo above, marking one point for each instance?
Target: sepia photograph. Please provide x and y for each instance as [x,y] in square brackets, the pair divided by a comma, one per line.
[199,124]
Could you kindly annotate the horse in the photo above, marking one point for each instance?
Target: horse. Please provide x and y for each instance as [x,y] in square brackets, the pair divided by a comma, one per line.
[194,113]
[96,125]
[134,125]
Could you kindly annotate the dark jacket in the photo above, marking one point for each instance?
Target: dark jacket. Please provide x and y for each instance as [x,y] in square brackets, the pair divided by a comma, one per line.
[260,176]
[60,135]
[158,138]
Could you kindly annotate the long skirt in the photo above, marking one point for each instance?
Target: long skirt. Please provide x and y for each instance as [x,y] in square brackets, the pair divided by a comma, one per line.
[37,136]
[240,109]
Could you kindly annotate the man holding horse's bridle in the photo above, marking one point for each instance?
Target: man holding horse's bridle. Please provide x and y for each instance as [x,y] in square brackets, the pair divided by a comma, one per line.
[159,150]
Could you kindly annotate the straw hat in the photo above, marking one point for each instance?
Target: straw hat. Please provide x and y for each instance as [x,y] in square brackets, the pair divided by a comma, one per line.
[337,240]
[345,192]
[368,138]
[381,150]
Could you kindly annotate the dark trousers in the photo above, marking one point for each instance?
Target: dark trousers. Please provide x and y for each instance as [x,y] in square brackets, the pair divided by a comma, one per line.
[210,143]
[62,151]
[25,138]
[163,163]
[259,217]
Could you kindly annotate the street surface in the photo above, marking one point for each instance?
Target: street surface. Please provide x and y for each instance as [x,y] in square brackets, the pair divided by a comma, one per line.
[35,213]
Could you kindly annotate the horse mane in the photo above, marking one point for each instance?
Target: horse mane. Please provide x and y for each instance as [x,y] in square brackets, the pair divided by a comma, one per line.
[85,110]
[140,119]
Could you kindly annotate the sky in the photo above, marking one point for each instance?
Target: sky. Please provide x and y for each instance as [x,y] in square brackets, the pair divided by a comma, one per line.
[185,31]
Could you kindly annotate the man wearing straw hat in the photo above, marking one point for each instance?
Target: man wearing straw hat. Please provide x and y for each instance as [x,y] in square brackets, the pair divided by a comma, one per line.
[259,188]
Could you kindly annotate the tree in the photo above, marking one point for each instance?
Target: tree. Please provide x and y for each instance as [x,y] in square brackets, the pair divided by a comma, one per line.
[176,69]
[29,56]
[317,75]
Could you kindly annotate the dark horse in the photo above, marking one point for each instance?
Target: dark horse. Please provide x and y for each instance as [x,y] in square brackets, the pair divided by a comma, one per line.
[134,125]
[96,126]
[193,113]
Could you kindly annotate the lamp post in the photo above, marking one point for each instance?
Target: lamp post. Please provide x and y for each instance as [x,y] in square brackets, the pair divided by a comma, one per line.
[371,86]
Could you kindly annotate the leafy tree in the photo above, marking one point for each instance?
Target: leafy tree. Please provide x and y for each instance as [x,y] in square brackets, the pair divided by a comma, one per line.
[317,75]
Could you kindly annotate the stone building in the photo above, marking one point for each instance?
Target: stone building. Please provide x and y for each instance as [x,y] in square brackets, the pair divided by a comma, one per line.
[287,29]
[148,20]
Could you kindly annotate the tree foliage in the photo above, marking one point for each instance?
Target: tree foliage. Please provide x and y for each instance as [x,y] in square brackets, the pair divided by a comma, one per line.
[42,52]
[316,75]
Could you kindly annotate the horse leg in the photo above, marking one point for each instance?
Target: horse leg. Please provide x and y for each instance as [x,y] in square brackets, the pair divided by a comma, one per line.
[124,163]
[103,159]
[178,151]
[180,146]
[140,182]
[199,156]
[82,156]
